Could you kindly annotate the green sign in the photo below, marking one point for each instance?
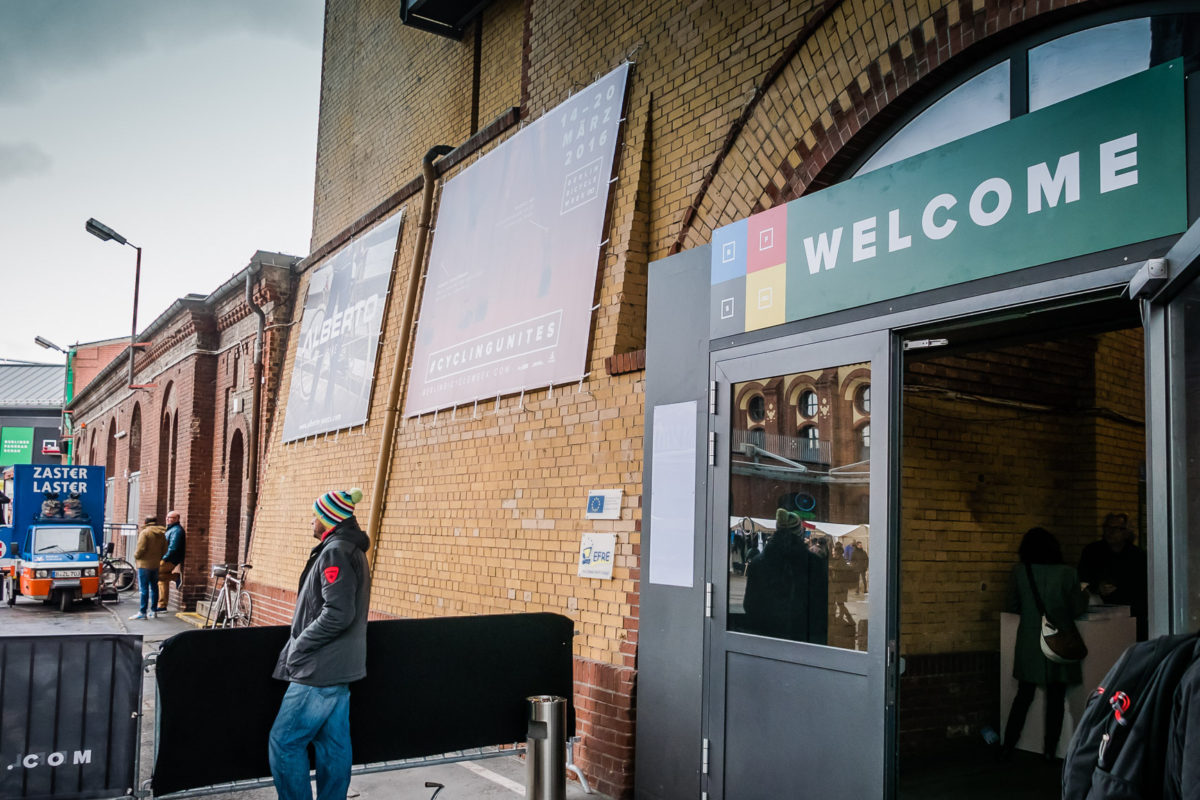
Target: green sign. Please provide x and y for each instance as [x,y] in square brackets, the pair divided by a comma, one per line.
[16,446]
[1098,171]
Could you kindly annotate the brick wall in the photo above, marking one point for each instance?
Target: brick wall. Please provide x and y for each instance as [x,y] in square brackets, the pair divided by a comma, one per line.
[732,107]
[185,373]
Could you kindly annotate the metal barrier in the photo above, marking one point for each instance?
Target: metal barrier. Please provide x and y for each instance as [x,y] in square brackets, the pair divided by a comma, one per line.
[71,712]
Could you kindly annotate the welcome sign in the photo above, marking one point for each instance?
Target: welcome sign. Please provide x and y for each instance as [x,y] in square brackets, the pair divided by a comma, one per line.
[1094,172]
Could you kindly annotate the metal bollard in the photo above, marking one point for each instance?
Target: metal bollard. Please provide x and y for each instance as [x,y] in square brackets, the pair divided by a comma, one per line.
[546,748]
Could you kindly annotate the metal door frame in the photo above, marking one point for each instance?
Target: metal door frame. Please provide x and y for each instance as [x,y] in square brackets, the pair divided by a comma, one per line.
[783,356]
[1089,274]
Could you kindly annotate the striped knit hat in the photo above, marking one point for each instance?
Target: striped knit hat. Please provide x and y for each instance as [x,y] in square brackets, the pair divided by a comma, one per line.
[333,507]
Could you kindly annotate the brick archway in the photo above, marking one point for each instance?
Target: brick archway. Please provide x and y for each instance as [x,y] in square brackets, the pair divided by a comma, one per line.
[813,112]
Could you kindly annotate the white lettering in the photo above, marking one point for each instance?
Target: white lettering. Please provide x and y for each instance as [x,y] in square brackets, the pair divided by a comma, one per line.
[825,253]
[30,761]
[56,759]
[929,226]
[83,757]
[864,239]
[895,240]
[1003,192]
[1065,181]
[1119,154]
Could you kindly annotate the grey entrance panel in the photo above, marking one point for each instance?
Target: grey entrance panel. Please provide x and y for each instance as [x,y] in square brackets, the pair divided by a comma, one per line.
[779,750]
[799,531]
[671,627]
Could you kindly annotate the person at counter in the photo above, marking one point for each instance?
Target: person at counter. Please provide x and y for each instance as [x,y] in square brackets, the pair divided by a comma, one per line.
[1041,565]
[1114,569]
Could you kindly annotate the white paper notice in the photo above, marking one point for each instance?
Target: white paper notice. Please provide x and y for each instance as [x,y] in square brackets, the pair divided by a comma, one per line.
[673,495]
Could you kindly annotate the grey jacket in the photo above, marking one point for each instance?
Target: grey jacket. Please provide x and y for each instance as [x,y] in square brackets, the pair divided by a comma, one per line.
[328,641]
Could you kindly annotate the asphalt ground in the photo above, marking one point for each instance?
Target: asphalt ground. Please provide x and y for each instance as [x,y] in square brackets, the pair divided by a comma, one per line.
[501,777]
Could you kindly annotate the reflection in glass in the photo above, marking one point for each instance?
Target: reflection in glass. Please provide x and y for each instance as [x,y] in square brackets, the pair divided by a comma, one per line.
[799,536]
[980,103]
[1080,62]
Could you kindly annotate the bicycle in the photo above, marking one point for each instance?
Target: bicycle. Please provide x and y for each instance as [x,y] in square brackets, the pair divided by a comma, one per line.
[230,606]
[116,574]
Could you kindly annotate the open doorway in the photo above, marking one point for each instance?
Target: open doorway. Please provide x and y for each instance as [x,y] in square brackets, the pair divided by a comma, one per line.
[1033,420]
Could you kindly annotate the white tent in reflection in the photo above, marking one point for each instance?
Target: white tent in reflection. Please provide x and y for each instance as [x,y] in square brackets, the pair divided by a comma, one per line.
[834,530]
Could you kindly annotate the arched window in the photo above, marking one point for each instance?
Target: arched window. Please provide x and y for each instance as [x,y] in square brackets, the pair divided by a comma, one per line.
[110,455]
[757,408]
[1052,67]
[808,404]
[862,398]
[864,442]
[135,439]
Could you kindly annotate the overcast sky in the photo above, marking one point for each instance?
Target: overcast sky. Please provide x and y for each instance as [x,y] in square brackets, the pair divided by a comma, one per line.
[189,126]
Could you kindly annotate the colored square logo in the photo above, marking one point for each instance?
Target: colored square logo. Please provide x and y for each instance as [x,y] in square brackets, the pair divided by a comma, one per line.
[728,252]
[766,293]
[727,308]
[767,235]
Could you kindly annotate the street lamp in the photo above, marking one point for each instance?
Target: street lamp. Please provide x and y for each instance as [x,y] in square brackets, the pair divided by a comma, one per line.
[49,345]
[64,426]
[107,234]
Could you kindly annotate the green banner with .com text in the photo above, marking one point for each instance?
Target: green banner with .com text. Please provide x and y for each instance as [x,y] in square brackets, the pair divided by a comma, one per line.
[1097,171]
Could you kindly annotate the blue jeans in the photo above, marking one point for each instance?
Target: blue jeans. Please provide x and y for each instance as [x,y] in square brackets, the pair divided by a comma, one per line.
[148,586]
[320,715]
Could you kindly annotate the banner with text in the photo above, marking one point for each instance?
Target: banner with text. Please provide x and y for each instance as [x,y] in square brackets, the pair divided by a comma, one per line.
[334,368]
[512,271]
[1098,171]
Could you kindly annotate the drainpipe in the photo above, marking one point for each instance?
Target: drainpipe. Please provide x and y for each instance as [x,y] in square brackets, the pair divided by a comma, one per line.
[383,465]
[252,489]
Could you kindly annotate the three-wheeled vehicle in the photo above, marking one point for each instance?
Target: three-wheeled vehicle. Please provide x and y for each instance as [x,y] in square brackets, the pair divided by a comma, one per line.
[51,552]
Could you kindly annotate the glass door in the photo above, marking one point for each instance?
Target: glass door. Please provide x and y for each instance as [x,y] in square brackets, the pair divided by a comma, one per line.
[798,635]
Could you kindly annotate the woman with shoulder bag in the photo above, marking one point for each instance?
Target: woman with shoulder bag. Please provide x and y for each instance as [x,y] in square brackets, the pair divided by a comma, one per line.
[1043,588]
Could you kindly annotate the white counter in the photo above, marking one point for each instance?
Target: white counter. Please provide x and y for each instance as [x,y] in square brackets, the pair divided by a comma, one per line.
[1106,630]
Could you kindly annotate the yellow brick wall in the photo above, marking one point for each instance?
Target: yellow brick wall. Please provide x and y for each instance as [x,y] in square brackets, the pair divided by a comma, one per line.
[485,514]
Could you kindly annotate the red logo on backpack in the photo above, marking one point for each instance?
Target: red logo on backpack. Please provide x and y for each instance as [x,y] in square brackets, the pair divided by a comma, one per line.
[331,574]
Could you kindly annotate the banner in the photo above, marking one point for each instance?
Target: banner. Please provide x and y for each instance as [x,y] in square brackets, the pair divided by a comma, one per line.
[433,686]
[16,446]
[71,708]
[334,368]
[1098,171]
[507,304]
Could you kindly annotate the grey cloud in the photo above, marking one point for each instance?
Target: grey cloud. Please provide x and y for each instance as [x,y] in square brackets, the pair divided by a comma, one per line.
[22,160]
[41,40]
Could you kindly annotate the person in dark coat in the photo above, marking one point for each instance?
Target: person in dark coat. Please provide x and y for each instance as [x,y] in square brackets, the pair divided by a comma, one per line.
[326,651]
[787,586]
[172,560]
[1065,600]
[1114,568]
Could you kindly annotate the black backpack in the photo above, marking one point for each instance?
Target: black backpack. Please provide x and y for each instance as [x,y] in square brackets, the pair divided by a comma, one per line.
[1119,748]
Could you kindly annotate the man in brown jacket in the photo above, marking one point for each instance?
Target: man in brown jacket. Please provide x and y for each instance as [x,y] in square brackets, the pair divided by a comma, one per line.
[151,547]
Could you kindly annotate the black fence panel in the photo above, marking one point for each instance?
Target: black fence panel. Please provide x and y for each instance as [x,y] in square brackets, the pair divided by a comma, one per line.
[69,714]
[433,686]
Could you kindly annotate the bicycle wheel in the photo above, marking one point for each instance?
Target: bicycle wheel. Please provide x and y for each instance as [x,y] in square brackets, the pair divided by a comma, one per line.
[124,575]
[245,609]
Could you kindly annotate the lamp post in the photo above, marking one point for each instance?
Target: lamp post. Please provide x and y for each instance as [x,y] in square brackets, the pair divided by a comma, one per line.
[105,234]
[64,425]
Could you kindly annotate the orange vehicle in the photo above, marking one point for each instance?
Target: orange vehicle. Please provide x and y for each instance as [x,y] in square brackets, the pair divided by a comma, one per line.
[52,550]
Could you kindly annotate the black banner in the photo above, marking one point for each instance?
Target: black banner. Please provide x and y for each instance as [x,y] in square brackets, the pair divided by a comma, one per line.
[433,686]
[69,714]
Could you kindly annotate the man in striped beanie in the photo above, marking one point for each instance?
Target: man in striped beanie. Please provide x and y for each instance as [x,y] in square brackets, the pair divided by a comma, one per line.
[326,651]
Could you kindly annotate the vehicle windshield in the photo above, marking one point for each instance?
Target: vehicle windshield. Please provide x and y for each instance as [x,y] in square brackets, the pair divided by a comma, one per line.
[62,540]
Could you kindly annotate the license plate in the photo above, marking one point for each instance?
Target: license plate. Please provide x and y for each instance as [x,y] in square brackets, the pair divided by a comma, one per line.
[67,573]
